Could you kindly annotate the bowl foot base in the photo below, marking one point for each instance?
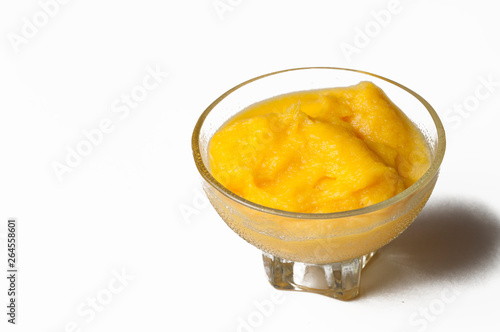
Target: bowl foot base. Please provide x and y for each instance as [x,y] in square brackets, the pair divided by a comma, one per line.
[339,280]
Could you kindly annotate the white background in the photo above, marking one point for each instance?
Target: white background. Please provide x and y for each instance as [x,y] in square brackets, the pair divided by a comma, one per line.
[118,211]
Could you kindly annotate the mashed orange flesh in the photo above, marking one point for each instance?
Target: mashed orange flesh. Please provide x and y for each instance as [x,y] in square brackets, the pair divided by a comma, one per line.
[320,151]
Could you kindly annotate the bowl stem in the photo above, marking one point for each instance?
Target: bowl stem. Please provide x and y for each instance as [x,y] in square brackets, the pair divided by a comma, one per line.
[339,280]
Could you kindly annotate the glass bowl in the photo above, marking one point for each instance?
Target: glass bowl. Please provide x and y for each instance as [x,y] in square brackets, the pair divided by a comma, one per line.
[325,252]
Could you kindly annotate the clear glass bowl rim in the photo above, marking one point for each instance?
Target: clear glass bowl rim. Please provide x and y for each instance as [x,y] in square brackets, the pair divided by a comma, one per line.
[428,176]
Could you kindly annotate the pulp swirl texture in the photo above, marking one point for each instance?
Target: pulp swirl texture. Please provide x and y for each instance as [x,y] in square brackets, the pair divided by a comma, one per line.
[320,151]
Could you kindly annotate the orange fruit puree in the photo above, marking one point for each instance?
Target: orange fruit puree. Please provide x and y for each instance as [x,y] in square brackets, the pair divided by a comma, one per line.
[320,151]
